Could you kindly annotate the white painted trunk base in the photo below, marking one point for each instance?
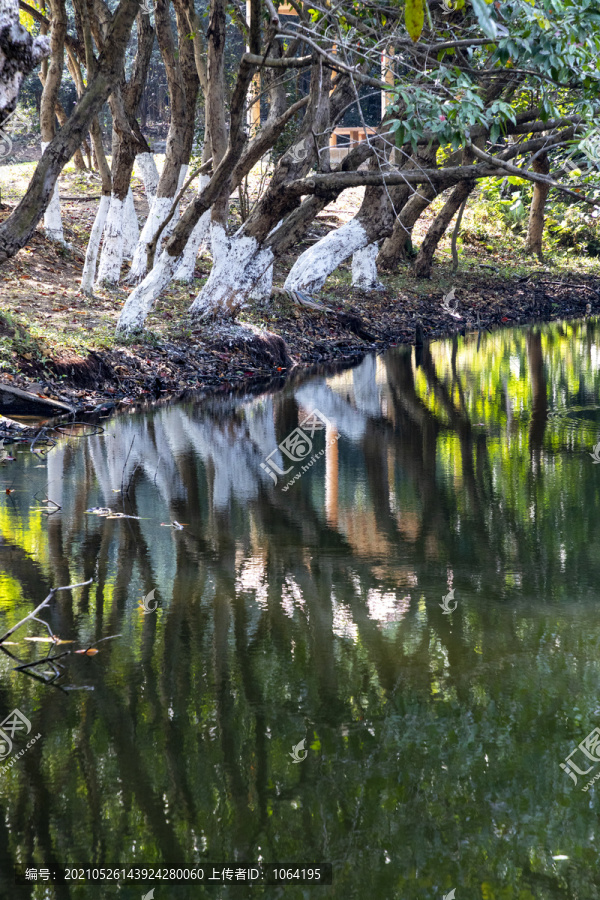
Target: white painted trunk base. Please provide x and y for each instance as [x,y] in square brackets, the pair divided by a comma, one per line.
[111,258]
[131,229]
[157,215]
[311,269]
[238,264]
[364,269]
[197,239]
[264,286]
[52,217]
[142,299]
[91,255]
[169,228]
[145,166]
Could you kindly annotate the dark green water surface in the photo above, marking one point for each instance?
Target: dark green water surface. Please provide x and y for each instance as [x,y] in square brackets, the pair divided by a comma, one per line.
[431,742]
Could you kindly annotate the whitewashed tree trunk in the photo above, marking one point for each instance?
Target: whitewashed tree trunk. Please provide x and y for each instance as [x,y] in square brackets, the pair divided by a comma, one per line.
[111,258]
[157,215]
[169,228]
[19,54]
[52,217]
[142,298]
[364,268]
[264,286]
[146,166]
[198,238]
[311,269]
[131,229]
[89,268]
[238,264]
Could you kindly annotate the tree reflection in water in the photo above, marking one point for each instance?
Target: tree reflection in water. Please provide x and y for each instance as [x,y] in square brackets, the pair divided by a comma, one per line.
[434,741]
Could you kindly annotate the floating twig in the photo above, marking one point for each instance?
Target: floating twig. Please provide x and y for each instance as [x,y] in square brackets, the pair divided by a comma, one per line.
[33,614]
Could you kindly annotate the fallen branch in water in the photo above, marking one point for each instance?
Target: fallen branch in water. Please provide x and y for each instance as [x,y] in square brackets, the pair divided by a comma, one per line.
[44,603]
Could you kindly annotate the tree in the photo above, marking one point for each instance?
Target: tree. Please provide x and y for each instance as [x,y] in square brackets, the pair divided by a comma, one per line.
[16,230]
[20,53]
[457,93]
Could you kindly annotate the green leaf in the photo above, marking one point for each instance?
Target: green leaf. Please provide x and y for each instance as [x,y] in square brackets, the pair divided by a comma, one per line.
[486,23]
[400,139]
[414,16]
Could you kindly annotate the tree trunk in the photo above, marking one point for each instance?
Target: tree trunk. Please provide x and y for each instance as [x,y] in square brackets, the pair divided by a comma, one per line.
[364,268]
[124,101]
[535,230]
[437,229]
[124,150]
[82,16]
[199,236]
[373,221]
[100,155]
[131,228]
[179,138]
[394,248]
[20,53]
[16,230]
[146,165]
[91,255]
[215,99]
[77,156]
[58,32]
[239,262]
[141,299]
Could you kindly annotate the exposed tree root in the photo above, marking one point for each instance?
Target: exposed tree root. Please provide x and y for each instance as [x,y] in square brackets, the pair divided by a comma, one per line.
[263,348]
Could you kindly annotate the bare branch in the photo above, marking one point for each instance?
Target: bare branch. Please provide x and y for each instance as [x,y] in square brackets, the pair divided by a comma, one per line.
[50,596]
[295,62]
[530,176]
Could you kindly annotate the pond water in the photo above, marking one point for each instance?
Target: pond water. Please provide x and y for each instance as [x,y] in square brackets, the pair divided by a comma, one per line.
[380,664]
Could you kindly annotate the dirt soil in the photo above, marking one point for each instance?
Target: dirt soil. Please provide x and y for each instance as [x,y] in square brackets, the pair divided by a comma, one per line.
[59,343]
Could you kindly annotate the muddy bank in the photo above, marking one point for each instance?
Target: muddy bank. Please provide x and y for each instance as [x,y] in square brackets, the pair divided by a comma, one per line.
[286,339]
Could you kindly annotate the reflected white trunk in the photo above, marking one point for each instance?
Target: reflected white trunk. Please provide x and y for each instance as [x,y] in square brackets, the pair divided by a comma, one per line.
[366,390]
[318,395]
[234,457]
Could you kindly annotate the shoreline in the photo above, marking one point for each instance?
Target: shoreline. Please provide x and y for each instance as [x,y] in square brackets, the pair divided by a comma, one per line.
[294,343]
